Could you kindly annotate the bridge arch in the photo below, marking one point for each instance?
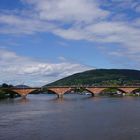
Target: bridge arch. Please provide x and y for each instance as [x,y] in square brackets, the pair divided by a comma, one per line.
[112,91]
[128,90]
[90,91]
[94,90]
[23,92]
[10,93]
[60,91]
[35,91]
[51,91]
[136,91]
[98,90]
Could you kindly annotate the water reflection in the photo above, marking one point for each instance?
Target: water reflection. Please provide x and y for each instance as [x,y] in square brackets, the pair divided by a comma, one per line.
[56,99]
[76,117]
[69,97]
[23,100]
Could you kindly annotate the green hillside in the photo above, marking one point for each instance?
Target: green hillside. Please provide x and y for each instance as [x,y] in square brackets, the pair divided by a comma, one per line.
[101,77]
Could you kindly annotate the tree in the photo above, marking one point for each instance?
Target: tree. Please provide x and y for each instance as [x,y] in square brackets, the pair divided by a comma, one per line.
[4,85]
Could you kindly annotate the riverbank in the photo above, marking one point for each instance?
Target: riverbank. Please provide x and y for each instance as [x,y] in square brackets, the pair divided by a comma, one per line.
[4,95]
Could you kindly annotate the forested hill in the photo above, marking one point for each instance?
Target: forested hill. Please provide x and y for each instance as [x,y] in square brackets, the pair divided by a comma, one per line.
[101,77]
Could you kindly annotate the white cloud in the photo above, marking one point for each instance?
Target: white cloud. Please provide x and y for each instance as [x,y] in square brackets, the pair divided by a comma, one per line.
[47,15]
[125,34]
[79,20]
[13,24]
[121,5]
[17,69]
[68,11]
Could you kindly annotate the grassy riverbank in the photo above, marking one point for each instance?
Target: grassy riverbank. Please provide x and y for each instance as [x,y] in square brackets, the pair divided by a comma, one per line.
[3,94]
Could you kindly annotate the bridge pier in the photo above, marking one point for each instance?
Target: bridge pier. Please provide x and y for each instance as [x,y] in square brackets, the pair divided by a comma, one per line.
[23,96]
[11,95]
[92,95]
[60,95]
[60,91]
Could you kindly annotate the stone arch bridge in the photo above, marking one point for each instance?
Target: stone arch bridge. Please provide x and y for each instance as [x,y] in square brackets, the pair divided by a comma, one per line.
[60,91]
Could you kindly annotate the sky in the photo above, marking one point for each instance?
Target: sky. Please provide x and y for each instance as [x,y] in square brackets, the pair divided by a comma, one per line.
[42,41]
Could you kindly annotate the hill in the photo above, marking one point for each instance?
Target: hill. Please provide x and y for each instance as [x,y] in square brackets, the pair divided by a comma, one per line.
[101,77]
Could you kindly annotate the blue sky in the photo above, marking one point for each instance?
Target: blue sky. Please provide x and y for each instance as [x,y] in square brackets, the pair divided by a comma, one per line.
[45,40]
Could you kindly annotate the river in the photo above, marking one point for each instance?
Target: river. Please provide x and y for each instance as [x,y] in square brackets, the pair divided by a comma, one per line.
[76,117]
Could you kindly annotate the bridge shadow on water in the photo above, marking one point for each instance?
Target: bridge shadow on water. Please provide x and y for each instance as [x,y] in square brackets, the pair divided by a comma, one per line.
[73,97]
[78,97]
[23,100]
[68,98]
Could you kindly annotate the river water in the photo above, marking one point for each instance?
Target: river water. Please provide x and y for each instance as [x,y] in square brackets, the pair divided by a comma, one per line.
[76,117]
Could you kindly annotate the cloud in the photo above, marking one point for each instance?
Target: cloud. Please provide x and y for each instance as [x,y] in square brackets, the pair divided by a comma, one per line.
[47,15]
[77,20]
[121,5]
[14,24]
[67,10]
[18,69]
[105,22]
[124,34]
